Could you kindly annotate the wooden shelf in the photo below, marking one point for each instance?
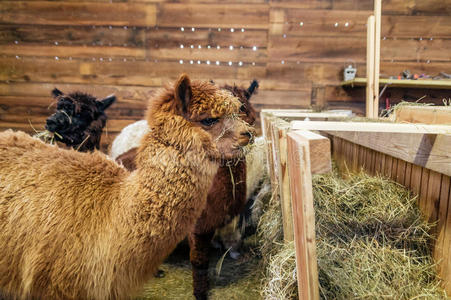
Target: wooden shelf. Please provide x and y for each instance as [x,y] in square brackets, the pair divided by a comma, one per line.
[408,83]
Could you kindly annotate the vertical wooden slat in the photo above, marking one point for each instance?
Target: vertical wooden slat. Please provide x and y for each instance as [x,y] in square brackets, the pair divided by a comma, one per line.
[433,196]
[424,190]
[401,172]
[370,67]
[377,54]
[377,163]
[373,161]
[361,156]
[447,249]
[383,159]
[388,165]
[355,157]
[408,175]
[441,228]
[415,181]
[394,169]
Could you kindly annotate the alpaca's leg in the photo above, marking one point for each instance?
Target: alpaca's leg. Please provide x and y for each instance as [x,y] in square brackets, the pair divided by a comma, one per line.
[199,250]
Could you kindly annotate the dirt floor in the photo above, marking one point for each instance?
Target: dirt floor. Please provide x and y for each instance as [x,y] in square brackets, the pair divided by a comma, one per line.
[238,279]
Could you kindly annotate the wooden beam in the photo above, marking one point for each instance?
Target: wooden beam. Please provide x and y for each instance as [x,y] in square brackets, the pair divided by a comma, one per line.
[377,55]
[299,168]
[423,145]
[423,114]
[403,83]
[295,114]
[280,131]
[370,67]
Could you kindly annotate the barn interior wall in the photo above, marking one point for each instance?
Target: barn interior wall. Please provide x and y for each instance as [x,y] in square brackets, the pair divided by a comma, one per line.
[296,49]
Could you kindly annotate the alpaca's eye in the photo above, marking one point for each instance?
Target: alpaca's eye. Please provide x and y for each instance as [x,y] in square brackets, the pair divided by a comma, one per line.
[209,121]
[243,108]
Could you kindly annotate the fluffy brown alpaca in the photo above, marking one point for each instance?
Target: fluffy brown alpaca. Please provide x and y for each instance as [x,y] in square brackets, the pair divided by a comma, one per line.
[226,198]
[79,226]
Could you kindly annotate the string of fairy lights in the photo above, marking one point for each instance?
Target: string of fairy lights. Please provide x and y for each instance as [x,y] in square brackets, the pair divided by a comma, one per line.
[191,47]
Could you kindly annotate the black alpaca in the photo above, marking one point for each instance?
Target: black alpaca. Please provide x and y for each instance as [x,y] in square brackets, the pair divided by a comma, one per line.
[79,119]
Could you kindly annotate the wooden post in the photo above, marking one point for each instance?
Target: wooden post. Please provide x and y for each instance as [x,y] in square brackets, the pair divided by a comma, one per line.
[377,54]
[280,144]
[300,176]
[370,67]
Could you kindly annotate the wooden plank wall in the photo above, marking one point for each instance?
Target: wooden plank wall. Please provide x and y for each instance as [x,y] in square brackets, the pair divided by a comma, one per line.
[297,49]
[432,188]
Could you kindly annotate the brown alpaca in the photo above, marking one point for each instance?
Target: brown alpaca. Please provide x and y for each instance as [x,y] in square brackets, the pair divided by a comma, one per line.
[226,199]
[79,226]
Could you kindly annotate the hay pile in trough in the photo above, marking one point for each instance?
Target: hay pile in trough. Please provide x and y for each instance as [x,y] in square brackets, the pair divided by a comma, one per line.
[371,243]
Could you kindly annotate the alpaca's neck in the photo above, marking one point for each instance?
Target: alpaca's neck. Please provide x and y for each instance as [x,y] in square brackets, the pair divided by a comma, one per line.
[165,196]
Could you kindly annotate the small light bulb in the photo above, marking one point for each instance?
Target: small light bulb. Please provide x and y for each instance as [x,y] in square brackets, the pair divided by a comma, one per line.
[232,30]
[231,47]
[193,29]
[240,63]
[230,63]
[242,29]
[208,62]
[254,48]
[336,25]
[182,29]
[218,63]
[301,24]
[181,46]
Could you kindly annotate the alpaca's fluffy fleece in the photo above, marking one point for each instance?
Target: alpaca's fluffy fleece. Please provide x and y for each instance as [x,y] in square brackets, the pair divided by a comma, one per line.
[79,226]
[130,137]
[256,166]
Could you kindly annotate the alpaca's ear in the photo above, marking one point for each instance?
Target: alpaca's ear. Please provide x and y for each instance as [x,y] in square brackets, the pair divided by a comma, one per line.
[183,92]
[251,88]
[105,103]
[56,92]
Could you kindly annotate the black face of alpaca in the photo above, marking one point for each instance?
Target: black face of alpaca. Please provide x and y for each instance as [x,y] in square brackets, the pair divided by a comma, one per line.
[79,119]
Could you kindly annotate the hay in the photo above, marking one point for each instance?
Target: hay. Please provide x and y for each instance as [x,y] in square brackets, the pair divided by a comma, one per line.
[371,244]
[269,229]
[239,279]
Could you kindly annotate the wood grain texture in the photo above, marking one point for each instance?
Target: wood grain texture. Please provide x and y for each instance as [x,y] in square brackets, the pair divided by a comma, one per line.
[304,216]
[214,15]
[71,13]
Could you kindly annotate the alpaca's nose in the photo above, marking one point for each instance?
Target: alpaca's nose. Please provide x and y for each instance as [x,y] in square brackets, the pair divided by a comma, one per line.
[248,136]
[51,125]
[56,122]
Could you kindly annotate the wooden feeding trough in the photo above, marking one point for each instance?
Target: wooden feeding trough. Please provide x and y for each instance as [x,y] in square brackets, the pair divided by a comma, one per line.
[417,156]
